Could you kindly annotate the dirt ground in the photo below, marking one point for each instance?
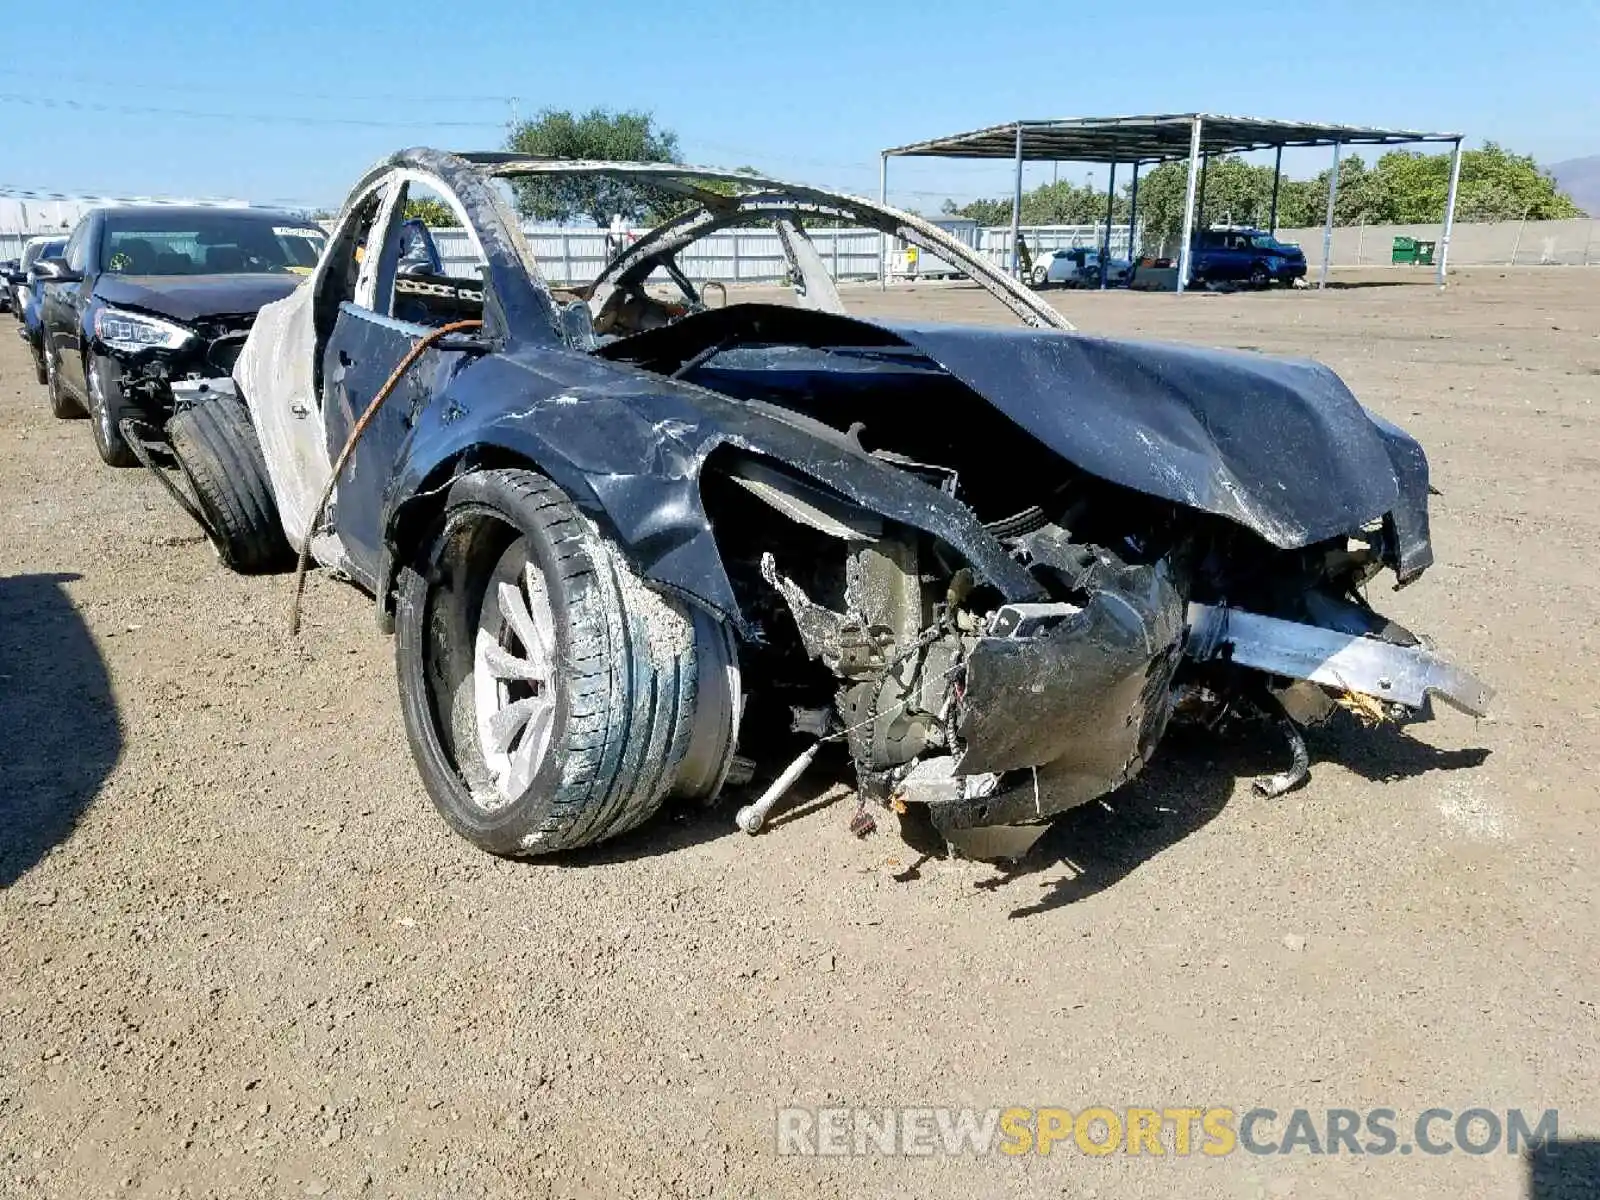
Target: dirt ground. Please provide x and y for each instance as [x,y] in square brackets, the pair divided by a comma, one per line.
[240,956]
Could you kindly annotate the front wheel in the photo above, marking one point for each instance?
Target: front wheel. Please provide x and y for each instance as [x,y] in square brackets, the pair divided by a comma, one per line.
[551,699]
[217,449]
[107,408]
[63,404]
[1041,276]
[40,372]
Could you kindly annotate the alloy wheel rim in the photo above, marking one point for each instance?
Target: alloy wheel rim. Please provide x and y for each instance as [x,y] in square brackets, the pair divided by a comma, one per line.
[102,415]
[513,678]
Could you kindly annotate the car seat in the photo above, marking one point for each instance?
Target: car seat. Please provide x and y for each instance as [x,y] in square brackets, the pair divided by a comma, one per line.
[224,260]
[140,254]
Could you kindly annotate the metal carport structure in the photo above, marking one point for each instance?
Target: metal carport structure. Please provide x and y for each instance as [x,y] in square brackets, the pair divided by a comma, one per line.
[1141,141]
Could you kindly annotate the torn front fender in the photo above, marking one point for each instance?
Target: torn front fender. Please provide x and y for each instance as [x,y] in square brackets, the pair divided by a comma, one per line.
[1084,701]
[629,447]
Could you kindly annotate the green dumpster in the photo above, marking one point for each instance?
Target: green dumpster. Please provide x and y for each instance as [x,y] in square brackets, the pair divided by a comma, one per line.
[1405,251]
[1425,254]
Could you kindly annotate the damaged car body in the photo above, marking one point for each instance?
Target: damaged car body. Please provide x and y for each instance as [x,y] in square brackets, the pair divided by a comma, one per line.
[628,541]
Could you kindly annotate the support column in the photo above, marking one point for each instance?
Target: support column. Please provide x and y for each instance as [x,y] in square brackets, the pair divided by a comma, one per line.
[1133,218]
[1185,251]
[1105,249]
[1327,228]
[1016,211]
[1449,211]
[1200,203]
[883,238]
[1277,178]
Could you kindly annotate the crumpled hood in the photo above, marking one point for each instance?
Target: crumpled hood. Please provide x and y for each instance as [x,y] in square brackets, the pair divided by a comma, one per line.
[1279,445]
[193,297]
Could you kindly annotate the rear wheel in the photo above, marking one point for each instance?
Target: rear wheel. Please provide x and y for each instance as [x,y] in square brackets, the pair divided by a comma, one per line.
[62,403]
[39,371]
[550,698]
[219,453]
[1041,276]
[107,408]
[1260,277]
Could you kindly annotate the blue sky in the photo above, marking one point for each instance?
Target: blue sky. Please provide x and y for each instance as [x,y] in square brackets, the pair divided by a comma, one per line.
[288,101]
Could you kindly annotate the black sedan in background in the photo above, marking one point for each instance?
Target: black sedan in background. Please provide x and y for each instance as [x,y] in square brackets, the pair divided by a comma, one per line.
[147,307]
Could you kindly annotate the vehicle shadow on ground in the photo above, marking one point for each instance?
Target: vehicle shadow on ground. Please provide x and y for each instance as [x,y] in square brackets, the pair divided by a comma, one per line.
[59,732]
[1352,285]
[1564,1169]
[1191,780]
[1386,752]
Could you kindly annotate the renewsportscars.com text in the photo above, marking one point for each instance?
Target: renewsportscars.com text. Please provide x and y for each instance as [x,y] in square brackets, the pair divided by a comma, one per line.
[1177,1131]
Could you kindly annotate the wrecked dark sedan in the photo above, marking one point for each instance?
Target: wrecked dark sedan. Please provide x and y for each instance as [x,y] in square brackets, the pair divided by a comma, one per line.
[148,305]
[632,544]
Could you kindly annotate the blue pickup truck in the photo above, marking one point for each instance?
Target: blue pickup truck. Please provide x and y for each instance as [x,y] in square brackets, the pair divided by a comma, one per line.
[1250,256]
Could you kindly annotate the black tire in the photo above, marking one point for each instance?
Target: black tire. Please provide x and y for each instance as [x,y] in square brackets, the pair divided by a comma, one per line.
[63,404]
[39,371]
[625,672]
[218,451]
[1260,277]
[106,410]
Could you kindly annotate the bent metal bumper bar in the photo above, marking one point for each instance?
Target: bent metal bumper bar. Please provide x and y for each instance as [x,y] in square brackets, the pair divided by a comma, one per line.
[1399,674]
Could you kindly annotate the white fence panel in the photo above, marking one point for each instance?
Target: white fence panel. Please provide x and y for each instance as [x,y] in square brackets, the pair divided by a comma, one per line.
[1573,243]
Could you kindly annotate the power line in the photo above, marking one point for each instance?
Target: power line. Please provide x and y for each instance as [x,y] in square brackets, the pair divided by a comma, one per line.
[191,87]
[255,118]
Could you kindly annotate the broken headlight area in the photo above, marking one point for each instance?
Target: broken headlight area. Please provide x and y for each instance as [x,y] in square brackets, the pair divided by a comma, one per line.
[130,332]
[994,714]
[168,366]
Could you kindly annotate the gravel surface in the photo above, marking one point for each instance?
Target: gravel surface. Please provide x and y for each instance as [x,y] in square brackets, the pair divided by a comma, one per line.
[240,956]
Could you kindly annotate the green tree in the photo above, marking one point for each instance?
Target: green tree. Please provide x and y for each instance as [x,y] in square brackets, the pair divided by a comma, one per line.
[1496,185]
[596,134]
[1061,203]
[435,214]
[984,212]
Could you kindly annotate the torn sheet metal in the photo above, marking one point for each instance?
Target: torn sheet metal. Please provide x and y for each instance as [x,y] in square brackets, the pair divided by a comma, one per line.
[1090,696]
[274,374]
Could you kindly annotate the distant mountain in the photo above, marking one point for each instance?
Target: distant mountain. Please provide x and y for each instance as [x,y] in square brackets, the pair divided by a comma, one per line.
[1580,179]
